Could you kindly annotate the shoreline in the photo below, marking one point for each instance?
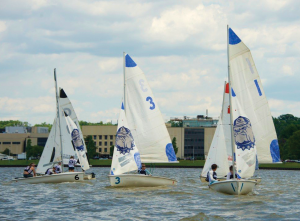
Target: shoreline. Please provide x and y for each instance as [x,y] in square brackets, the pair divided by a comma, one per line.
[184,167]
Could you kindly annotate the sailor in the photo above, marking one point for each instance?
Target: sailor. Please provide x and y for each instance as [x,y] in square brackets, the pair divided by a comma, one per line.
[230,174]
[212,175]
[144,170]
[72,163]
[50,171]
[58,168]
[29,170]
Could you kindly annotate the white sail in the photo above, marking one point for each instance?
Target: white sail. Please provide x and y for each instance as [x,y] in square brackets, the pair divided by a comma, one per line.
[249,93]
[144,117]
[126,157]
[66,106]
[52,150]
[77,143]
[217,153]
[220,151]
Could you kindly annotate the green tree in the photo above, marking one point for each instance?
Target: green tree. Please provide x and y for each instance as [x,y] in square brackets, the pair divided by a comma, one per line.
[111,150]
[28,149]
[6,151]
[174,145]
[44,124]
[91,147]
[293,146]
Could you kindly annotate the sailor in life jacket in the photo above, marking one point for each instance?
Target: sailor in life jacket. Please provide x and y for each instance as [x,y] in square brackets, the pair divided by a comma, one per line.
[144,171]
[50,171]
[58,168]
[212,175]
[230,174]
[29,170]
[72,163]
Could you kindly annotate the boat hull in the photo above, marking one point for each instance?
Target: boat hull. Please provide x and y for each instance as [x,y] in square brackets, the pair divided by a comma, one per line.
[139,180]
[233,187]
[55,178]
[256,179]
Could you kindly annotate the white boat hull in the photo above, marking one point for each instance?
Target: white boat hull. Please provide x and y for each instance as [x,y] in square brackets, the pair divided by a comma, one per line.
[139,180]
[233,187]
[256,179]
[55,178]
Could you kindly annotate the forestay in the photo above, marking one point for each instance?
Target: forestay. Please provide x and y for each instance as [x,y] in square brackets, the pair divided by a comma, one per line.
[126,157]
[52,151]
[77,143]
[250,97]
[144,117]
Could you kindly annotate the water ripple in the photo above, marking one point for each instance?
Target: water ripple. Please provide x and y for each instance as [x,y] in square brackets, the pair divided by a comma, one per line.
[276,198]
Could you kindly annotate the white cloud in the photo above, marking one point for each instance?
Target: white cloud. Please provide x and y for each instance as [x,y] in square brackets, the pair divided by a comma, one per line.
[180,45]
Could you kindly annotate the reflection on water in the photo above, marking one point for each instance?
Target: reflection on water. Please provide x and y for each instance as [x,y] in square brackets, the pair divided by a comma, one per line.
[276,198]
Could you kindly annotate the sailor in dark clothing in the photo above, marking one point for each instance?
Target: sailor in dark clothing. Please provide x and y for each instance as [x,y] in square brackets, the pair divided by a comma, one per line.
[230,174]
[144,170]
[29,170]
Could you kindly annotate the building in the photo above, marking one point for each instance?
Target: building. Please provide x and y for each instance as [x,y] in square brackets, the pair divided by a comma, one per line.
[15,138]
[193,136]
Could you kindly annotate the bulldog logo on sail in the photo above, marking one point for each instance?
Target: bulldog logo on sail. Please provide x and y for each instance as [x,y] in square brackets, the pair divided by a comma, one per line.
[124,140]
[243,134]
[78,144]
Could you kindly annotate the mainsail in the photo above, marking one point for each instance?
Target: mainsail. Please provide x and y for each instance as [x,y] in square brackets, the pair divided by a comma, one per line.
[126,157]
[250,97]
[144,117]
[67,107]
[77,143]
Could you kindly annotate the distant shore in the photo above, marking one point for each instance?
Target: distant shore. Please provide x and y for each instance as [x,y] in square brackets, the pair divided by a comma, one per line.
[181,164]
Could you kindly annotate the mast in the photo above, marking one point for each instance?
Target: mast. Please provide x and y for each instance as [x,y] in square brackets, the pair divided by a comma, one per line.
[58,114]
[230,106]
[124,79]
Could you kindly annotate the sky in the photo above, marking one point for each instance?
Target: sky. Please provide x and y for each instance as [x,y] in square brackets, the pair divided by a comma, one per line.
[180,46]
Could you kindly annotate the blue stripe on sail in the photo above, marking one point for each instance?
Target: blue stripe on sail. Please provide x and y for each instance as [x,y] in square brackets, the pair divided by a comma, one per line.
[233,187]
[250,66]
[233,38]
[137,158]
[122,107]
[258,88]
[232,93]
[170,152]
[274,149]
[129,63]
[111,172]
[241,187]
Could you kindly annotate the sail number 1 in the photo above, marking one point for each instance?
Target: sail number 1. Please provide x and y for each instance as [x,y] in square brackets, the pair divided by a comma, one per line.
[118,180]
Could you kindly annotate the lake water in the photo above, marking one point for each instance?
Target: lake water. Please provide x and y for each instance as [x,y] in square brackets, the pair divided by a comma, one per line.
[276,198]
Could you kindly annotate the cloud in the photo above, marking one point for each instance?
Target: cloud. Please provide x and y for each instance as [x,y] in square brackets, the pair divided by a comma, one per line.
[180,45]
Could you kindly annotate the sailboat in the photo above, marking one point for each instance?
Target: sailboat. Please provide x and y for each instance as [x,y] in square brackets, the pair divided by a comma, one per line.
[147,129]
[220,151]
[54,150]
[248,91]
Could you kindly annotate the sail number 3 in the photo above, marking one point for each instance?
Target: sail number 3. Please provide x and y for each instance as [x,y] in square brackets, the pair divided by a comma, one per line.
[118,180]
[141,82]
[151,102]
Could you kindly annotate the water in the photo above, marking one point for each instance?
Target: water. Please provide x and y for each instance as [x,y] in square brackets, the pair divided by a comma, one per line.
[276,198]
